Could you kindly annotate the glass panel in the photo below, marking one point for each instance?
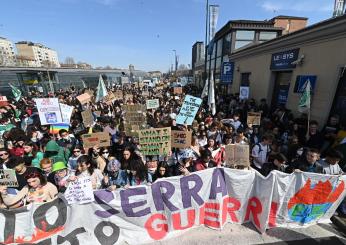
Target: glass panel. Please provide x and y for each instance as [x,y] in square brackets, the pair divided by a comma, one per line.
[245,35]
[225,58]
[266,35]
[227,43]
[239,44]
[214,51]
[219,48]
[212,64]
[218,63]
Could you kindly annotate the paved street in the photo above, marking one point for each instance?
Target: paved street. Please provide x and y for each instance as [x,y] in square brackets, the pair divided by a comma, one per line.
[246,234]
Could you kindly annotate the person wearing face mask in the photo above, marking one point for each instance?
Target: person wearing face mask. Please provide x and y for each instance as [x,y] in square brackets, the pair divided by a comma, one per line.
[18,147]
[66,140]
[72,161]
[105,155]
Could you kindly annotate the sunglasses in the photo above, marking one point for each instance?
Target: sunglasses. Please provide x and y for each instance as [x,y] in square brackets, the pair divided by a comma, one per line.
[4,154]
[105,152]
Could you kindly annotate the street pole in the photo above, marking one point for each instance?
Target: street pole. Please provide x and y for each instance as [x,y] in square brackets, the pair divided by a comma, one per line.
[175,60]
[206,40]
[50,82]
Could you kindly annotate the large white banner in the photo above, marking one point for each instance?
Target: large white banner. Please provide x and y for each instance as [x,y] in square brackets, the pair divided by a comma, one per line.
[144,214]
[49,110]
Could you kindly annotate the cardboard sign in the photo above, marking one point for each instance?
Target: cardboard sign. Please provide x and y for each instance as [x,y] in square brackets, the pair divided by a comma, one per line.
[66,112]
[99,139]
[109,98]
[253,118]
[84,98]
[88,119]
[3,101]
[49,110]
[178,90]
[90,92]
[145,94]
[153,104]
[155,141]
[188,110]
[80,191]
[8,178]
[128,97]
[135,115]
[181,139]
[118,94]
[237,155]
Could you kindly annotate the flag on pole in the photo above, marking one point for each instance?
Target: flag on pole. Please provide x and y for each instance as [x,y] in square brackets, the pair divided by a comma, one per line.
[16,92]
[101,90]
[84,85]
[205,89]
[211,95]
[305,99]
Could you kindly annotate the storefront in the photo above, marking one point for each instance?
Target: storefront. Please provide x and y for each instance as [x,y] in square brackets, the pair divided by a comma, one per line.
[279,69]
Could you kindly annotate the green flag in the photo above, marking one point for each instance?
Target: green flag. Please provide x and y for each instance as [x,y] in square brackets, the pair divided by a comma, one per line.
[16,92]
[101,90]
[305,99]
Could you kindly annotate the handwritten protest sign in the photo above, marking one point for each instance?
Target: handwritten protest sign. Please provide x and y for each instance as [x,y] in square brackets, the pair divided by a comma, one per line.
[49,110]
[80,191]
[99,139]
[84,98]
[254,118]
[155,141]
[118,95]
[181,139]
[237,155]
[153,104]
[128,97]
[109,98]
[8,178]
[66,112]
[135,114]
[3,101]
[88,119]
[188,110]
[178,90]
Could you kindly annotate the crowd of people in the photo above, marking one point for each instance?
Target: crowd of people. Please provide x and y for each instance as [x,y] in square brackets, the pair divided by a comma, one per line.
[45,163]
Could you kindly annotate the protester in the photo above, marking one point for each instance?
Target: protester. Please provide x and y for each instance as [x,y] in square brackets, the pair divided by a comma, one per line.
[260,152]
[330,165]
[115,178]
[138,174]
[33,154]
[4,158]
[87,168]
[309,163]
[278,163]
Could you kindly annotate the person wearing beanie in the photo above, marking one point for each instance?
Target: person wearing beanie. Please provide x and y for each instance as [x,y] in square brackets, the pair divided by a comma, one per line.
[61,176]
[18,164]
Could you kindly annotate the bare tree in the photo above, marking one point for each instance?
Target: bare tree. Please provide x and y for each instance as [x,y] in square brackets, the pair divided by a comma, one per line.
[69,61]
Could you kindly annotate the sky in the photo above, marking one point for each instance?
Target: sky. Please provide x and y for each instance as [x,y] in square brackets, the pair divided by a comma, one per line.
[138,32]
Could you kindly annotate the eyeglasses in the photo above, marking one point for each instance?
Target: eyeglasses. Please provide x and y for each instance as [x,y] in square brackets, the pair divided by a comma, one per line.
[4,154]
[104,152]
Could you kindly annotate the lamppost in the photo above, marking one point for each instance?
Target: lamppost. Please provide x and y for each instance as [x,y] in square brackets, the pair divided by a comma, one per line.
[175,60]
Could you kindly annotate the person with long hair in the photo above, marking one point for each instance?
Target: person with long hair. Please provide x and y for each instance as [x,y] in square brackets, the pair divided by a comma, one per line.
[87,168]
[138,173]
[72,161]
[162,171]
[32,153]
[127,156]
[94,154]
[37,190]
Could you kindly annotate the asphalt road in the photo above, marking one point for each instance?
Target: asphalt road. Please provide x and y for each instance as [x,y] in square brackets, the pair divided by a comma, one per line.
[247,234]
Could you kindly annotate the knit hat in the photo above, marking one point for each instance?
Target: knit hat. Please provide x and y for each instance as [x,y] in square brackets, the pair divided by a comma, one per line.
[58,166]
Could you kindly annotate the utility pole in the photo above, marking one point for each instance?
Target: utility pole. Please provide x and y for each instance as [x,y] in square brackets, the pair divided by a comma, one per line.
[206,40]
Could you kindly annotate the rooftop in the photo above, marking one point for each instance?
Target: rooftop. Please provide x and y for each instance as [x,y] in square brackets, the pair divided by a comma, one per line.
[288,17]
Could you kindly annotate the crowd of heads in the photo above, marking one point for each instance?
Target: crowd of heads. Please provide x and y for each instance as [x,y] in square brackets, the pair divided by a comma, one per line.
[46,163]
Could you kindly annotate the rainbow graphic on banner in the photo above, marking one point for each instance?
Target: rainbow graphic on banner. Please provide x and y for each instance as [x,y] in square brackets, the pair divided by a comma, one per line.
[54,129]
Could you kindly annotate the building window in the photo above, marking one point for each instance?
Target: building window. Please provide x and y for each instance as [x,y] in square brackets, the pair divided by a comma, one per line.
[244,38]
[266,35]
[219,48]
[227,44]
[245,79]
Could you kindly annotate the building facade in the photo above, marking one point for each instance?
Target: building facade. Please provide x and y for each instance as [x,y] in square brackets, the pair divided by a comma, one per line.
[7,54]
[279,69]
[197,62]
[240,34]
[43,56]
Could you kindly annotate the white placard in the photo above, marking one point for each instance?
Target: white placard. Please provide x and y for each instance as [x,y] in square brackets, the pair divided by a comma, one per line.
[66,113]
[80,191]
[49,110]
[244,93]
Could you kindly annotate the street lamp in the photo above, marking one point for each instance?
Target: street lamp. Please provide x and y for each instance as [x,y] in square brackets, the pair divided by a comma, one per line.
[175,59]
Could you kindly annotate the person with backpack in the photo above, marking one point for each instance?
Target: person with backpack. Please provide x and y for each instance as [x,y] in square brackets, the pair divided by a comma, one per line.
[260,152]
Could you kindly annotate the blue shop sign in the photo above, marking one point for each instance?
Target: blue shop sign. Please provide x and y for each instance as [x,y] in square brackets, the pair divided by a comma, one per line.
[227,72]
[283,60]
[301,81]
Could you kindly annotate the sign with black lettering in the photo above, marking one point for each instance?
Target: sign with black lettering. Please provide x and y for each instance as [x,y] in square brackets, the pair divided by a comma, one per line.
[181,139]
[8,178]
[155,141]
